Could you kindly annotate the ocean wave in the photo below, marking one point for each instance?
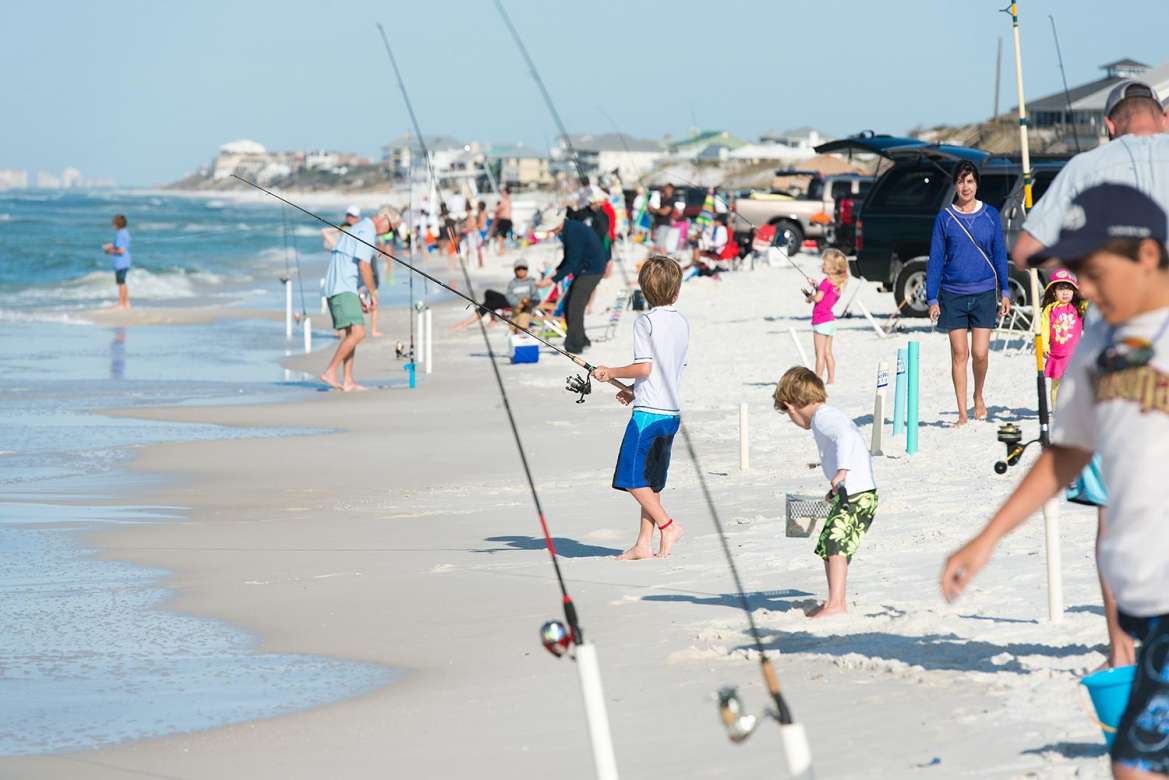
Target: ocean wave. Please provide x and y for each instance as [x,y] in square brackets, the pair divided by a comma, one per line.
[146,285]
[40,315]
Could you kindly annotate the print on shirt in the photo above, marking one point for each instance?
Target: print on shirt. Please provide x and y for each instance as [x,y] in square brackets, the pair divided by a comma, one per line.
[1143,385]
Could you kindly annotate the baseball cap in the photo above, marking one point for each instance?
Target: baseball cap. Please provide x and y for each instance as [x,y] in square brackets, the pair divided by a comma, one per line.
[1131,88]
[519,263]
[353,211]
[550,220]
[1106,212]
[1063,276]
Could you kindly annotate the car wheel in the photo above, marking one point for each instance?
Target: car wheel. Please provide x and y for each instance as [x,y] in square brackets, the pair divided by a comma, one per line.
[909,289]
[788,237]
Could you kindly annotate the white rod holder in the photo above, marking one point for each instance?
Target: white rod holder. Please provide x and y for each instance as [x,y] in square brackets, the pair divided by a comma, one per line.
[744,440]
[1054,562]
[879,401]
[799,347]
[420,343]
[604,761]
[429,340]
[308,334]
[796,752]
[287,308]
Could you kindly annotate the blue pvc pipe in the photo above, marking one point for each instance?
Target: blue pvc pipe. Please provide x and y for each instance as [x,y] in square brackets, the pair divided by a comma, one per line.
[913,386]
[409,369]
[899,394]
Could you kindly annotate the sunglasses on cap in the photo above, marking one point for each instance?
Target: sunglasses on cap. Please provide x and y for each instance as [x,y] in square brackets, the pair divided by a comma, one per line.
[1129,352]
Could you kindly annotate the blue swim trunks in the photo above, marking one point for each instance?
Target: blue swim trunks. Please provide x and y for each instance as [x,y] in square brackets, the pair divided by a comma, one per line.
[644,458]
[1142,737]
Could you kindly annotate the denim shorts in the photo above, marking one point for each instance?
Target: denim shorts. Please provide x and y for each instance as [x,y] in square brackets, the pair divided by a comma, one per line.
[964,312]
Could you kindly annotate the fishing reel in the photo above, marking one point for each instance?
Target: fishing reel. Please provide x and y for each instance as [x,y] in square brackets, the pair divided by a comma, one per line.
[401,351]
[556,638]
[1011,436]
[578,384]
[739,724]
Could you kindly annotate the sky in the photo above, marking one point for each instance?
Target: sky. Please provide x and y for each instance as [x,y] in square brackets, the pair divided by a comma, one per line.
[145,92]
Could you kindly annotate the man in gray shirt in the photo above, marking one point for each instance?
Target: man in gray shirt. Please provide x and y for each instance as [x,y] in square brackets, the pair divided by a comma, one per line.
[1136,155]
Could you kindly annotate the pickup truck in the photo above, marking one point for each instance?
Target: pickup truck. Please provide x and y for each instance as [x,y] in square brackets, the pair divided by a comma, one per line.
[893,229]
[795,219]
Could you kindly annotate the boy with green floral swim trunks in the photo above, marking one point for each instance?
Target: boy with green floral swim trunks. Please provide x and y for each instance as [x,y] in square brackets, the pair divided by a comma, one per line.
[845,458]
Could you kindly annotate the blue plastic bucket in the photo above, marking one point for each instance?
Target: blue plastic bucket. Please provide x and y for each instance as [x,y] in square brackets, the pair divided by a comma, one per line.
[1109,689]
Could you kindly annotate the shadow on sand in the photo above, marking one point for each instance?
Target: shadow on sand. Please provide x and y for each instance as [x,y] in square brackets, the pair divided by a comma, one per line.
[565,547]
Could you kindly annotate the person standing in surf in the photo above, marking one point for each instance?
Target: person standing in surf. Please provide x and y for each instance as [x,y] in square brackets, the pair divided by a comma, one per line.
[120,251]
[661,339]
[966,283]
[349,269]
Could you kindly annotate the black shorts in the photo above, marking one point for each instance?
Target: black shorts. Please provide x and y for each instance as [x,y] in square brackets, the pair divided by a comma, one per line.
[493,300]
[120,275]
[1142,737]
[503,228]
[965,312]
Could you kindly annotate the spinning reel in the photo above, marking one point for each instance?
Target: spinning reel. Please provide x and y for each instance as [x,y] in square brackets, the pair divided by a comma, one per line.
[556,638]
[1011,435]
[578,384]
[739,724]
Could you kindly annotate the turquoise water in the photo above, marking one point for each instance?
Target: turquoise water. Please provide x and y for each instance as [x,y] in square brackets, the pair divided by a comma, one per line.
[186,250]
[89,655]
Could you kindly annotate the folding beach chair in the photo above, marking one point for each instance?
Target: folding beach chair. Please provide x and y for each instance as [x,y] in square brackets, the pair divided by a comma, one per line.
[620,304]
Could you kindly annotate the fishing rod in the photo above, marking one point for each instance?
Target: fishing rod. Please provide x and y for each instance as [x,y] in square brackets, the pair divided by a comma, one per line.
[1025,148]
[580,173]
[556,638]
[739,724]
[1066,94]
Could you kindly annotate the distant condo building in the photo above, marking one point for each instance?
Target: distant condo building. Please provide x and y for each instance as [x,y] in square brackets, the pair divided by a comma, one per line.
[48,181]
[13,179]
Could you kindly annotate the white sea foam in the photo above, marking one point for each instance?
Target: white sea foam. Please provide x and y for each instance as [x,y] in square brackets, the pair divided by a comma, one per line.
[144,284]
[5,217]
[60,317]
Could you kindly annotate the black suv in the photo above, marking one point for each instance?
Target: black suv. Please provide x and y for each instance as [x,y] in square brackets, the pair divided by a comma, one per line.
[896,220]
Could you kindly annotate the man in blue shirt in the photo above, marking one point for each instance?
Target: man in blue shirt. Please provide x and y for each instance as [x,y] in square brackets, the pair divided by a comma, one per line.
[349,268]
[120,250]
[584,260]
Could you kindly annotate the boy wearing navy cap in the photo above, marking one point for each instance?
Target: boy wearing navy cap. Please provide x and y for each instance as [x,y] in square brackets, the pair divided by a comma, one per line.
[1114,401]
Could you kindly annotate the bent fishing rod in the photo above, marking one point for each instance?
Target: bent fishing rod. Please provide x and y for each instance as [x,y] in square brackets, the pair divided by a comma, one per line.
[584,387]
[555,637]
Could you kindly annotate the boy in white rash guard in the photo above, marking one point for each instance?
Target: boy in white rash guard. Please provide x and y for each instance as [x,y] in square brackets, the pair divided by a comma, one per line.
[847,464]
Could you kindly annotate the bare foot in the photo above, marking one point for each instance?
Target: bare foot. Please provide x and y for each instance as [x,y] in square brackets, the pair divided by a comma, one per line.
[827,610]
[636,553]
[669,536]
[962,420]
[352,387]
[330,378]
[979,409]
[377,334]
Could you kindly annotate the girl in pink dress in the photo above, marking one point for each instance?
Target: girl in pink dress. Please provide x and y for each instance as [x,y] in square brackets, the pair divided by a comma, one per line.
[834,265]
[1063,322]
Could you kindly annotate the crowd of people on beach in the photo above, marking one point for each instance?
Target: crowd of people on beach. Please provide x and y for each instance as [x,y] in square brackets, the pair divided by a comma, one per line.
[1101,231]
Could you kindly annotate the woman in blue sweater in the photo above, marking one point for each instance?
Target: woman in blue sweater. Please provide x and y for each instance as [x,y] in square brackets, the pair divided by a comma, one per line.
[966,282]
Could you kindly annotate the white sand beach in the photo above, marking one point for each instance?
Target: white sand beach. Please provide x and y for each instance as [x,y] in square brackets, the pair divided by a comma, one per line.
[399,531]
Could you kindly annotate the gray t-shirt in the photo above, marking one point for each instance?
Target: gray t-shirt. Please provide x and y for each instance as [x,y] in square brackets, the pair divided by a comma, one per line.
[1140,161]
[1124,417]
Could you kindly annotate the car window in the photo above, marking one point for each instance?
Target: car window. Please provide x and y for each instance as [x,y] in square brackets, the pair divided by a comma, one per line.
[1043,180]
[695,196]
[909,189]
[993,188]
[840,188]
[815,189]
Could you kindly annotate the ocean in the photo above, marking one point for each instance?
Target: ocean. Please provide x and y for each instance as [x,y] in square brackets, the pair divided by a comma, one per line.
[89,652]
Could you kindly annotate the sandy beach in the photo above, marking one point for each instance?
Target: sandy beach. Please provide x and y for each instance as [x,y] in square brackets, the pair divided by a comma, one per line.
[398,530]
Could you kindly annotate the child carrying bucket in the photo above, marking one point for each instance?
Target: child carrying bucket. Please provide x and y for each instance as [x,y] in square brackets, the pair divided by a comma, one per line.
[1114,401]
[844,456]
[1063,323]
[834,266]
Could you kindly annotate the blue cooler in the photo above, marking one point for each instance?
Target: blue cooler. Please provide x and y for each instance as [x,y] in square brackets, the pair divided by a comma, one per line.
[524,349]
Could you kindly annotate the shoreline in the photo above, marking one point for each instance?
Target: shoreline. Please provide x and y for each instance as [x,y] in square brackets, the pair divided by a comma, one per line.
[405,537]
